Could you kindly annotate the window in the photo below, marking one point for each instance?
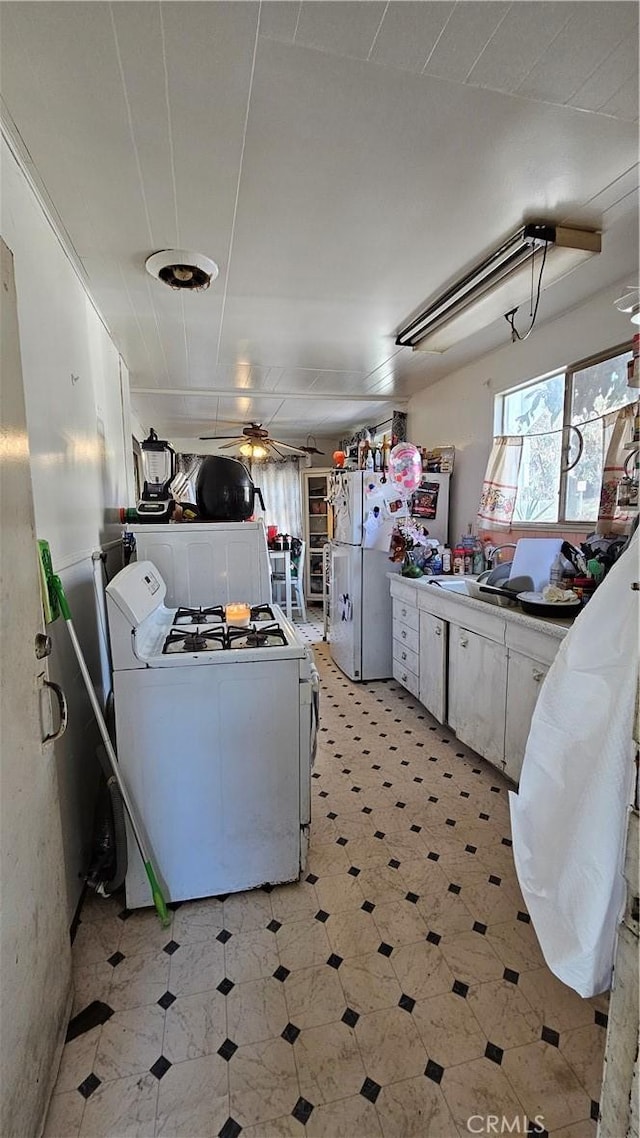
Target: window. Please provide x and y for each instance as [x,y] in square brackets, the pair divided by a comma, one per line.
[556,416]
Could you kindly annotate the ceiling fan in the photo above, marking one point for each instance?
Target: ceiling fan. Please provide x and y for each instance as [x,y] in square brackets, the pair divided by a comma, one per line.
[254,442]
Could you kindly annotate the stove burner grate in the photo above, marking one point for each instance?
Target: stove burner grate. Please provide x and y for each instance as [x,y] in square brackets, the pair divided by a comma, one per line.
[261,612]
[195,640]
[253,637]
[198,615]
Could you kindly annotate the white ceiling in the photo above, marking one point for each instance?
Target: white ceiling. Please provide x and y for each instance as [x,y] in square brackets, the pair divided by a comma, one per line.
[339,161]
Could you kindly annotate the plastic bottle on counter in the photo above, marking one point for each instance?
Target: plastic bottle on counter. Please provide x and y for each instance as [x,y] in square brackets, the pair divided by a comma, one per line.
[369,460]
[458,561]
[555,576]
[478,558]
[447,563]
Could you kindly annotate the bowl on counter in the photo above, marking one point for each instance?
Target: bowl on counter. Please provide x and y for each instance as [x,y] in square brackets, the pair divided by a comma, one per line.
[535,605]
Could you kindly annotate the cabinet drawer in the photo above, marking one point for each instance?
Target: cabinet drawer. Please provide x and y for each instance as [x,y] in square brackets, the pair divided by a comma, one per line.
[405,635]
[406,657]
[532,643]
[406,614]
[405,677]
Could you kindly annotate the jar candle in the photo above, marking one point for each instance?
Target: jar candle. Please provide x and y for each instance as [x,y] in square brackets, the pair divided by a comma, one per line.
[238,613]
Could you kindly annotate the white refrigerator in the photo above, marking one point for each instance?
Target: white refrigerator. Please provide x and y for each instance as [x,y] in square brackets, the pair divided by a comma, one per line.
[364,511]
[359,632]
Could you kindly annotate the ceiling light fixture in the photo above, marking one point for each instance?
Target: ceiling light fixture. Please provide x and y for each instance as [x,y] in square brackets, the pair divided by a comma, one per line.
[497,285]
[253,450]
[182,269]
[630,302]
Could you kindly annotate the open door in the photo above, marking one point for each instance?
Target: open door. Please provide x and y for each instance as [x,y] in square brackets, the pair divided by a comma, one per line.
[35,979]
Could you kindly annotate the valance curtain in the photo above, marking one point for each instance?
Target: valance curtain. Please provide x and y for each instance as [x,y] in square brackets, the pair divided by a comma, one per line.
[617,433]
[500,486]
[279,480]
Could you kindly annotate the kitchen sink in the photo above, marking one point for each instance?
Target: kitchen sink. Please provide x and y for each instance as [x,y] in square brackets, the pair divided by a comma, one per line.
[450,585]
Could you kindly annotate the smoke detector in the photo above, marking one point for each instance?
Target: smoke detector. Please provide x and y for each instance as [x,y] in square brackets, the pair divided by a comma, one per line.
[182,269]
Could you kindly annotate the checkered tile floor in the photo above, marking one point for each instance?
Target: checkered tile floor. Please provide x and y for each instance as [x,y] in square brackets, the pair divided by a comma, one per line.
[397,991]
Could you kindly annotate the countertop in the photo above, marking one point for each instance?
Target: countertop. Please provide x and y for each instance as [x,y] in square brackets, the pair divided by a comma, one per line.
[553,627]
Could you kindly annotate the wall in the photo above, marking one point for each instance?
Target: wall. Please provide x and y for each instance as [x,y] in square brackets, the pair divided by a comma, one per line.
[459,408]
[81,472]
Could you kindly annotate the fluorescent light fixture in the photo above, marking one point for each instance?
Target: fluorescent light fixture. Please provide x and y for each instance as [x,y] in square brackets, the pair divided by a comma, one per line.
[497,284]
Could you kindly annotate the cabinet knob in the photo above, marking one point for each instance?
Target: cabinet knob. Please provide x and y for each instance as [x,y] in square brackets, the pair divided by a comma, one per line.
[404,655]
[537,674]
[404,678]
[404,612]
[463,641]
[438,631]
[404,634]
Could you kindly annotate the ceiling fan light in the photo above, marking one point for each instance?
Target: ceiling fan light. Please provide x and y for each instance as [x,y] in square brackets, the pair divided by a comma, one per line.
[253,450]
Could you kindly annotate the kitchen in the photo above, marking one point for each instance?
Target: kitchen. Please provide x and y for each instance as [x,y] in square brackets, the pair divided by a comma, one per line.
[330,180]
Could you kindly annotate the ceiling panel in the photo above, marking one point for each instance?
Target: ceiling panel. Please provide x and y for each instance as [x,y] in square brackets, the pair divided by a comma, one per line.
[279,19]
[409,33]
[582,45]
[520,40]
[624,104]
[467,32]
[619,67]
[340,28]
[79,89]
[360,188]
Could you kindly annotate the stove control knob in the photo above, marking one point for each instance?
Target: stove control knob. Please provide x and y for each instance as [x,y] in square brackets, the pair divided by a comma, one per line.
[42,645]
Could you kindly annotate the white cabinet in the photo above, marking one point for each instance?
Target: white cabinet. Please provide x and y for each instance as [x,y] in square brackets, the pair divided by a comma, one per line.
[474,666]
[316,518]
[406,642]
[433,665]
[477,692]
[524,680]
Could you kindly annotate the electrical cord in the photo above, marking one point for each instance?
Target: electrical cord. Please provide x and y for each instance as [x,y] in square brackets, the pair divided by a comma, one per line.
[510,316]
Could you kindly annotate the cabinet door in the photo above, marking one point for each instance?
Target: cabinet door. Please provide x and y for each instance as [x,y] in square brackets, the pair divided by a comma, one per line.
[477,692]
[524,680]
[433,663]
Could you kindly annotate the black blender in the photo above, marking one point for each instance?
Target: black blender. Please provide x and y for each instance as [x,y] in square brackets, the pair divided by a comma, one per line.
[158,471]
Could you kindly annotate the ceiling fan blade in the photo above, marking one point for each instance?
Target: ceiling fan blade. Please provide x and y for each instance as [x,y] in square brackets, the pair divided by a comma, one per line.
[287,446]
[214,438]
[235,443]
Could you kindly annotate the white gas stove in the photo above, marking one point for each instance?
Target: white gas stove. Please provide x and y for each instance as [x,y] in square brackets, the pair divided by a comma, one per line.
[216,726]
[145,633]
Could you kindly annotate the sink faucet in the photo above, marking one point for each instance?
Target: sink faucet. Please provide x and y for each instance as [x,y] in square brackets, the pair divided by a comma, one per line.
[491,557]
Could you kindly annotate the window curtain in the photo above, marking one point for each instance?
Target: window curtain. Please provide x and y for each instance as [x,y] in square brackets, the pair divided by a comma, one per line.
[617,433]
[279,480]
[500,486]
